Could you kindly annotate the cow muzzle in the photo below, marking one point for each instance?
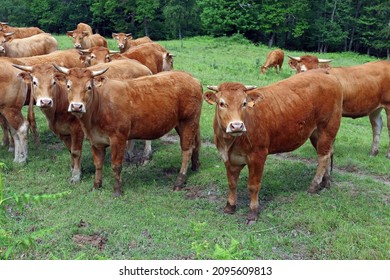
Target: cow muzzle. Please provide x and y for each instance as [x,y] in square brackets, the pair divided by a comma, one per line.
[76,107]
[45,102]
[77,46]
[236,128]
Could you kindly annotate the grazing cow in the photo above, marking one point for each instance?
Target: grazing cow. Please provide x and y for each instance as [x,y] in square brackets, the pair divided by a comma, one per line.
[13,96]
[149,108]
[38,44]
[20,32]
[274,59]
[250,124]
[366,91]
[84,40]
[126,41]
[307,62]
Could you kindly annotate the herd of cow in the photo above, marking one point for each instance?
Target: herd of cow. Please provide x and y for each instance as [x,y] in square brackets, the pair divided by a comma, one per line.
[113,97]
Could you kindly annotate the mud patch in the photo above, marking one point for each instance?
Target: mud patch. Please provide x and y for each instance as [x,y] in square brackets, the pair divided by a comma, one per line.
[95,240]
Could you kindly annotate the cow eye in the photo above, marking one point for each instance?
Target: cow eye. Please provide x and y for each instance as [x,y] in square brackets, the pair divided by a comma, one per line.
[221,104]
[89,87]
[54,82]
[68,86]
[92,57]
[34,83]
[244,103]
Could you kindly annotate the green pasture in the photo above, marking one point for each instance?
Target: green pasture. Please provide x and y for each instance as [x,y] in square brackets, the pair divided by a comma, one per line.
[351,220]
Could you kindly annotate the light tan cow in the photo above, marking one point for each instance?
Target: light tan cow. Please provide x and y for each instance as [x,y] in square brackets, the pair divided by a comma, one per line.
[20,32]
[84,40]
[34,45]
[126,41]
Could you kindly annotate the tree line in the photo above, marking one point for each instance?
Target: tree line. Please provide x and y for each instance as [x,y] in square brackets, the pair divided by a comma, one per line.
[361,26]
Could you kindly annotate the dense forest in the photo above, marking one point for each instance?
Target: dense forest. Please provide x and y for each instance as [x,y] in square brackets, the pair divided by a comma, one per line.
[311,25]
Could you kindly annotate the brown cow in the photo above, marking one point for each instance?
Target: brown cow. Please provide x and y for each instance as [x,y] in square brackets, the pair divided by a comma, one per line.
[308,62]
[153,55]
[13,96]
[51,97]
[83,40]
[97,101]
[84,27]
[250,124]
[126,41]
[38,44]
[96,55]
[20,32]
[274,59]
[366,91]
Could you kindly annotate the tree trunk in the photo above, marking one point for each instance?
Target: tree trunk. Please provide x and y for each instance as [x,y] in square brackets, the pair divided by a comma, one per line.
[146,26]
[271,40]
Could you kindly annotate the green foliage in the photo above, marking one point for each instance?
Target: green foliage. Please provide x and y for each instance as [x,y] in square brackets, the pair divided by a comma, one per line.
[9,242]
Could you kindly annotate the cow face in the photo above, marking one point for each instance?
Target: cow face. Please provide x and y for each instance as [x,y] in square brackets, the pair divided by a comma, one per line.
[95,55]
[78,37]
[80,86]
[42,79]
[122,39]
[231,101]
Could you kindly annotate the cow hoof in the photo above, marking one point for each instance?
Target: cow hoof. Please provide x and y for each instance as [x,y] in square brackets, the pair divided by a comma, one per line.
[252,217]
[117,194]
[97,186]
[179,182]
[195,166]
[145,161]
[374,153]
[229,209]
[313,189]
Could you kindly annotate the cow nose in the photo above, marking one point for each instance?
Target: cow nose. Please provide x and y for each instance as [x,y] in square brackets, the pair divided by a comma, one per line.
[77,46]
[236,127]
[46,102]
[77,107]
[121,46]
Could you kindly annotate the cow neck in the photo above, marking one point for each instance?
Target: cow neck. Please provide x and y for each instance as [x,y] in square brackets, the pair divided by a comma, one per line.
[92,107]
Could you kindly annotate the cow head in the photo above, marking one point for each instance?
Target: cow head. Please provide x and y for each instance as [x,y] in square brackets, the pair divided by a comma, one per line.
[80,86]
[78,37]
[122,39]
[5,37]
[43,81]
[231,101]
[167,61]
[96,55]
[306,62]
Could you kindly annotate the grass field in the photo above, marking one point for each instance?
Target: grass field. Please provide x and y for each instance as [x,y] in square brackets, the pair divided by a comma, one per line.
[351,220]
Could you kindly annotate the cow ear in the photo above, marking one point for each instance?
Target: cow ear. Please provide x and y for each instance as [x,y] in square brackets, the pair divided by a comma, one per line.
[69,33]
[114,36]
[99,81]
[60,78]
[25,76]
[253,98]
[210,97]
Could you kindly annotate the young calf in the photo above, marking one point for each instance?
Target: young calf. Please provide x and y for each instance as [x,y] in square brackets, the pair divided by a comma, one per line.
[250,124]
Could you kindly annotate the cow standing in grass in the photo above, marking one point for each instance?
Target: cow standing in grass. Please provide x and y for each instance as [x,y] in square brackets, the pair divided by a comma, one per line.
[149,108]
[251,124]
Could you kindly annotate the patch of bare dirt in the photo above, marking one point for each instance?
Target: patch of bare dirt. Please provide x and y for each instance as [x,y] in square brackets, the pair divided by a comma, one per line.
[95,240]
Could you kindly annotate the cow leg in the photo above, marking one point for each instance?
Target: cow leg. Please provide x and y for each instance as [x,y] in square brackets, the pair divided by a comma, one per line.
[4,128]
[18,127]
[232,172]
[256,168]
[195,163]
[324,146]
[117,154]
[376,124]
[388,129]
[147,152]
[98,154]
[76,151]
[187,132]
[129,150]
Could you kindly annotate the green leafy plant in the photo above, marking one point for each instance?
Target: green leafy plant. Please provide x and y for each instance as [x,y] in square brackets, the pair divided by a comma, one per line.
[8,241]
